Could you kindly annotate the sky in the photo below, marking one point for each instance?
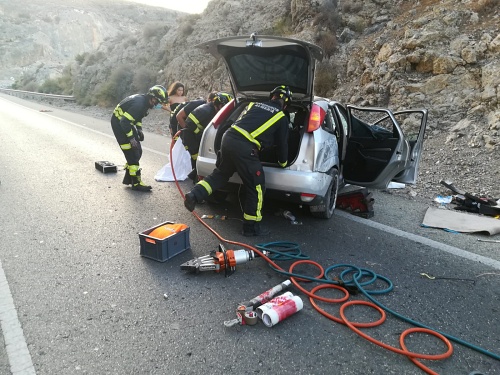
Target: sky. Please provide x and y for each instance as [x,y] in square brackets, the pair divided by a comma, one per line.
[188,6]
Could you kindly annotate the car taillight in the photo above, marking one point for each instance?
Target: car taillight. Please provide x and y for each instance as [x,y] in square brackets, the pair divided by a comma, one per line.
[304,197]
[223,113]
[316,118]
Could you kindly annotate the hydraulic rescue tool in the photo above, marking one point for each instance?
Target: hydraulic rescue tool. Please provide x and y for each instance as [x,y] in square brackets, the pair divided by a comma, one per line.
[218,261]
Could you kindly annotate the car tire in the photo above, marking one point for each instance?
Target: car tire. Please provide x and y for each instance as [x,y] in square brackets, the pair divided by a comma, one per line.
[330,199]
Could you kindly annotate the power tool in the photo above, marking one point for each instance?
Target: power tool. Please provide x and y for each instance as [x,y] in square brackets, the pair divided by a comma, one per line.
[218,261]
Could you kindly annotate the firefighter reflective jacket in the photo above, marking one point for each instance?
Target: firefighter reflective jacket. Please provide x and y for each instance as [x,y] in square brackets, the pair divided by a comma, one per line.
[188,108]
[265,125]
[199,118]
[130,112]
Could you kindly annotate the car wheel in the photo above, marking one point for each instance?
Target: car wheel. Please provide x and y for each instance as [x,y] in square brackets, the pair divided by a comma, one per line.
[330,199]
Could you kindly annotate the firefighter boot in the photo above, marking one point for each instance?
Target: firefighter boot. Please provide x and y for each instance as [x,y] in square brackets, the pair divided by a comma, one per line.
[135,176]
[127,180]
[253,228]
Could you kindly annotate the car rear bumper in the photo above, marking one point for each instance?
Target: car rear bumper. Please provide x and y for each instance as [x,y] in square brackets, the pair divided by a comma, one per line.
[303,187]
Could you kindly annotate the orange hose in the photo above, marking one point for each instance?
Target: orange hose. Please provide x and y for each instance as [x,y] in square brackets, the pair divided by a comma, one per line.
[404,351]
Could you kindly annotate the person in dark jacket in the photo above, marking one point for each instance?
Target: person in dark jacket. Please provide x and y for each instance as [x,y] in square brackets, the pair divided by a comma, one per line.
[126,123]
[196,123]
[261,125]
[182,111]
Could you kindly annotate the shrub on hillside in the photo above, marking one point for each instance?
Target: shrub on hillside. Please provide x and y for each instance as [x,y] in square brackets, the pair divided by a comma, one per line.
[327,41]
[117,87]
[143,80]
[325,80]
[154,29]
[51,86]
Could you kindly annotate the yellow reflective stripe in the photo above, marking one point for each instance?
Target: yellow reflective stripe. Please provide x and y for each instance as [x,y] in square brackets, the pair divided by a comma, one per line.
[249,217]
[194,156]
[258,214]
[195,120]
[133,169]
[247,135]
[259,202]
[128,116]
[139,124]
[199,127]
[246,110]
[261,129]
[207,187]
[118,112]
[130,134]
[126,146]
[283,164]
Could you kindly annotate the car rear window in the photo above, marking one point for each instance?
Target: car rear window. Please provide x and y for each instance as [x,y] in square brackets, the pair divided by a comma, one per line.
[262,69]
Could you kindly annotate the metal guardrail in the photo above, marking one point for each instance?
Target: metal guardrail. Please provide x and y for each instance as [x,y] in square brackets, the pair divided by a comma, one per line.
[21,93]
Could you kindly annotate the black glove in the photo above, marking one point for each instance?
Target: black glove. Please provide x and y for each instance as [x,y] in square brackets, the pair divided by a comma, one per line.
[140,134]
[134,143]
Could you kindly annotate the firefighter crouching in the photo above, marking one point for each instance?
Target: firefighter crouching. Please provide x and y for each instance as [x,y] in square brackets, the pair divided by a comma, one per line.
[261,125]
[195,124]
[127,127]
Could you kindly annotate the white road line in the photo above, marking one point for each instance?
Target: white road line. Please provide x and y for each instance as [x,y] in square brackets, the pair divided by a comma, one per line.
[425,241]
[15,344]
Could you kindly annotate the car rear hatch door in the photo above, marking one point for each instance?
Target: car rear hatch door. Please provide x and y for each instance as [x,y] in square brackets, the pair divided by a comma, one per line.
[258,64]
[383,146]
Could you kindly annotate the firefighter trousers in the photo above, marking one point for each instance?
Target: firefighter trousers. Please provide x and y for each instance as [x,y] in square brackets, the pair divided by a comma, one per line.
[237,155]
[132,155]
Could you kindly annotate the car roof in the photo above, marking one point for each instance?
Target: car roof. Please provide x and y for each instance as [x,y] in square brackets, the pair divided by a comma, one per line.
[259,63]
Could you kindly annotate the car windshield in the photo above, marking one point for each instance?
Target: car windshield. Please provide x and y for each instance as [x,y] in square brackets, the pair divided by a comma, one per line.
[264,69]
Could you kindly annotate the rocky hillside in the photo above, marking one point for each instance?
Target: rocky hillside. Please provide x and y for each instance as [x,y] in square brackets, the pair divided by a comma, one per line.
[39,38]
[443,55]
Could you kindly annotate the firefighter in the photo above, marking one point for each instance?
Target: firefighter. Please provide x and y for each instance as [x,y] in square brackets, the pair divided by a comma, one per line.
[127,127]
[182,111]
[261,125]
[196,122]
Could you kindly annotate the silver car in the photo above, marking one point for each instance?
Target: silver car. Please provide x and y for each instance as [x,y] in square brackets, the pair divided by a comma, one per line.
[329,144]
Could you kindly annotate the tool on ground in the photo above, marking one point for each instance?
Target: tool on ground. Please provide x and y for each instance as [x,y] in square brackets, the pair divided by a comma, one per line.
[245,314]
[471,203]
[218,261]
[105,166]
[494,241]
[279,308]
[250,318]
[221,217]
[265,297]
[356,200]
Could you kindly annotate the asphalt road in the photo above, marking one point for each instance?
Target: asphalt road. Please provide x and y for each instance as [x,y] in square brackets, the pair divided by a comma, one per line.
[76,297]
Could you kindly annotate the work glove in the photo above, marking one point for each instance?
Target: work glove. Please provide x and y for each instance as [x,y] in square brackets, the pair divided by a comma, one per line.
[140,134]
[134,143]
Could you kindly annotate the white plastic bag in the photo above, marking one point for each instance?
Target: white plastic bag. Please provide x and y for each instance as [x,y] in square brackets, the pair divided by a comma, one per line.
[182,164]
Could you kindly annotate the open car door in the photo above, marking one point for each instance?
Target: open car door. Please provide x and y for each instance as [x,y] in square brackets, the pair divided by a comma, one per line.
[383,146]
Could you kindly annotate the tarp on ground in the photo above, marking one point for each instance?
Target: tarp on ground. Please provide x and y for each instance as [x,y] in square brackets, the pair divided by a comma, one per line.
[182,164]
[460,222]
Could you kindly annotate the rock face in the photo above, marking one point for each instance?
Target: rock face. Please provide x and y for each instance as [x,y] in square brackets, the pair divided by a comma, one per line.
[40,37]
[443,55]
